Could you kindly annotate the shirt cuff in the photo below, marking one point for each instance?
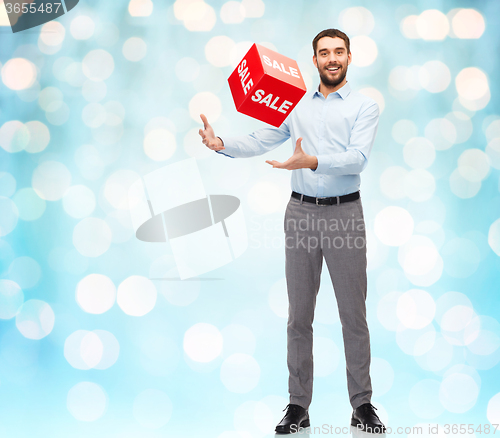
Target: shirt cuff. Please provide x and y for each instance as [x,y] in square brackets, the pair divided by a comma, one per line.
[324,163]
[227,148]
[222,153]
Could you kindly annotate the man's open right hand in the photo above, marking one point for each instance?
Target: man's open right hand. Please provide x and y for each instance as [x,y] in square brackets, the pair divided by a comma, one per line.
[208,137]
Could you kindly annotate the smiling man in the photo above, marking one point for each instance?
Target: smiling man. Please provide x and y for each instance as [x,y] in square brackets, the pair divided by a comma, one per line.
[333,129]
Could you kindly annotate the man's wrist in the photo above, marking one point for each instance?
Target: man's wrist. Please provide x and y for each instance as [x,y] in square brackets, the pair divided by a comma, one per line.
[221,142]
[314,162]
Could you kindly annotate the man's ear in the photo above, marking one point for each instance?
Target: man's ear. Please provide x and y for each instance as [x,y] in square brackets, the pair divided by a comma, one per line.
[349,58]
[315,61]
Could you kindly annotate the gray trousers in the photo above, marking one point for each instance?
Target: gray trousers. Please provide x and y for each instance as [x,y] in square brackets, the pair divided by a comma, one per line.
[337,233]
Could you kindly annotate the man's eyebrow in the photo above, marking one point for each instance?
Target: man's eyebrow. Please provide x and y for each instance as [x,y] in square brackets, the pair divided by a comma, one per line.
[336,49]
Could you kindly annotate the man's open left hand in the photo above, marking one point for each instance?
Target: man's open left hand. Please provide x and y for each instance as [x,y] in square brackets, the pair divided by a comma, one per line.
[299,160]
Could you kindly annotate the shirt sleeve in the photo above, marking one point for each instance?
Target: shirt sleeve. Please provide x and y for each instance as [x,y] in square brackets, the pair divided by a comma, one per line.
[355,158]
[256,143]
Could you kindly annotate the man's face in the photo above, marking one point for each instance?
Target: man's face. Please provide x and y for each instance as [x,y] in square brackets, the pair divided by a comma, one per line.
[331,60]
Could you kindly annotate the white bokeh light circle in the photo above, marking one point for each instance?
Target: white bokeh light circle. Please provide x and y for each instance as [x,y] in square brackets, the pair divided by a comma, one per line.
[424,399]
[460,325]
[140,8]
[111,349]
[11,298]
[462,187]
[29,205]
[51,37]
[83,349]
[95,293]
[98,65]
[487,341]
[82,27]
[203,342]
[494,237]
[468,24]
[326,356]
[473,165]
[14,136]
[391,182]
[408,27]
[432,25]
[51,180]
[458,392]
[9,216]
[8,184]
[159,144]
[416,309]
[356,21]
[39,137]
[387,310]
[442,133]
[87,401]
[493,409]
[472,83]
[218,50]
[152,408]
[92,237]
[134,49]
[25,271]
[415,342]
[240,373]
[79,201]
[196,15]
[376,95]
[393,226]
[493,152]
[382,374]
[435,76]
[419,153]
[278,298]
[206,103]
[232,12]
[438,356]
[35,319]
[18,74]
[418,256]
[97,349]
[419,185]
[117,186]
[136,295]
[364,51]
[254,8]
[265,197]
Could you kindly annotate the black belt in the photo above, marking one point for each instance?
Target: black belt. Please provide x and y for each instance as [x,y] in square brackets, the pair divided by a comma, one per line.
[333,200]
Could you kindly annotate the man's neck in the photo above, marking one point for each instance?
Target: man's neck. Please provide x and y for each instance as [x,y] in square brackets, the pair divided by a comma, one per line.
[325,90]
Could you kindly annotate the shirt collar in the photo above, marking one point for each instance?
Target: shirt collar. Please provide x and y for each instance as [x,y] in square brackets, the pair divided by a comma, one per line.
[342,92]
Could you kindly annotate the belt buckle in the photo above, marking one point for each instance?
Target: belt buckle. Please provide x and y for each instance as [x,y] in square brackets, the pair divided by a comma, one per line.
[321,205]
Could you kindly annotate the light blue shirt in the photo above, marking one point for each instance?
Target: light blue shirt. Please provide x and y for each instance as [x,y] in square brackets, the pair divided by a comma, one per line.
[339,130]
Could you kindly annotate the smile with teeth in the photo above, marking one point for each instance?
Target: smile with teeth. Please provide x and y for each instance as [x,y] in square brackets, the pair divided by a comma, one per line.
[332,69]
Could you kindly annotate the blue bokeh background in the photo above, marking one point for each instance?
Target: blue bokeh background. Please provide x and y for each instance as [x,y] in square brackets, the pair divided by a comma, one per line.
[111,91]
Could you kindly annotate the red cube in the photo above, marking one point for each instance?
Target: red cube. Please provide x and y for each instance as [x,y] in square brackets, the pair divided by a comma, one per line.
[266,85]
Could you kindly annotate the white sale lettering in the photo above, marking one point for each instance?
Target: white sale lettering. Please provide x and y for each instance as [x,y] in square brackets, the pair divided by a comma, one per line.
[274,64]
[268,101]
[244,74]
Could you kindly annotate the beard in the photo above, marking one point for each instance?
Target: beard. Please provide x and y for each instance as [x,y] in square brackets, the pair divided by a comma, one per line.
[335,81]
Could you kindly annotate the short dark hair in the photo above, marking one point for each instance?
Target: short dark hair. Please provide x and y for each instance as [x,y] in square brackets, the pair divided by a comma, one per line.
[331,33]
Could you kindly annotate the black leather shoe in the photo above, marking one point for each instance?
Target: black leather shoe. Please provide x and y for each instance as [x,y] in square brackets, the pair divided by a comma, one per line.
[296,417]
[365,418]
